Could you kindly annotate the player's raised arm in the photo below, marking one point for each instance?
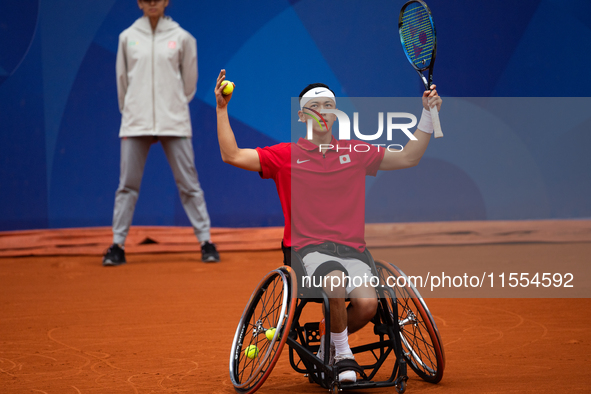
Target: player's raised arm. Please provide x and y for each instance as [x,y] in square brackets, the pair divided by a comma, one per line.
[413,151]
[247,159]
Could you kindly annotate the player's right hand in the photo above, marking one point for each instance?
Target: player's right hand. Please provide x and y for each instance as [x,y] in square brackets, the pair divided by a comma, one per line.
[222,100]
[431,99]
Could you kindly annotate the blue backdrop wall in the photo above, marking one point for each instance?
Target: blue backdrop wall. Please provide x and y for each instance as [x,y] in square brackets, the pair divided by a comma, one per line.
[59,117]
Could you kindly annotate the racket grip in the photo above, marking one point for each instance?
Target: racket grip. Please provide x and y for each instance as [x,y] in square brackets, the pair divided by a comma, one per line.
[436,124]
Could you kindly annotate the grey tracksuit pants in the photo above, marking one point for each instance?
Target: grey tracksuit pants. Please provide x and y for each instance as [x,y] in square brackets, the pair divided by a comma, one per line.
[179,152]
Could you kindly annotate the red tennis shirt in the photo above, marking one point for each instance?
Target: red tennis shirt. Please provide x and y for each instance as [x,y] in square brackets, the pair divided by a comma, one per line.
[322,195]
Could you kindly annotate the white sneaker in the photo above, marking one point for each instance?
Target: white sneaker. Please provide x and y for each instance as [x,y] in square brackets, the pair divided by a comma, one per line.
[346,376]
[320,353]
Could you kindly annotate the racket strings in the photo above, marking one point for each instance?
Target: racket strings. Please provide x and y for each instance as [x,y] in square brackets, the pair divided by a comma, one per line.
[417,35]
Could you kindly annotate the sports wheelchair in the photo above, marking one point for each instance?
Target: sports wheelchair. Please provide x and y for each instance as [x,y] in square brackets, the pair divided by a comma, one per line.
[404,328]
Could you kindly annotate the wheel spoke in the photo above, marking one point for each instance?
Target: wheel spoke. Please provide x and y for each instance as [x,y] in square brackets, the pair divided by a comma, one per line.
[268,308]
[417,331]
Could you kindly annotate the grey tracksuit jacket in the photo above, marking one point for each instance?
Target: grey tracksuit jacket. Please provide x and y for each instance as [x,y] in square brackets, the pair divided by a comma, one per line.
[156,79]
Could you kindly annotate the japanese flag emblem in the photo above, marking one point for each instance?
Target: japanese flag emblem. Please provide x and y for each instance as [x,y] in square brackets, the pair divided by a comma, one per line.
[344,159]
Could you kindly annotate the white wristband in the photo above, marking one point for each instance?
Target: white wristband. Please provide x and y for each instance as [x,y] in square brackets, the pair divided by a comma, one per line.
[426,124]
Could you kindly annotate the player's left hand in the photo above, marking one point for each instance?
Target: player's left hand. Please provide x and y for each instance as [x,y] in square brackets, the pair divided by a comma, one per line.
[431,98]
[221,99]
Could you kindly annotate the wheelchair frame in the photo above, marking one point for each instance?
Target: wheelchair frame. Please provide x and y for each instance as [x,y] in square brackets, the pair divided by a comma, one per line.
[414,340]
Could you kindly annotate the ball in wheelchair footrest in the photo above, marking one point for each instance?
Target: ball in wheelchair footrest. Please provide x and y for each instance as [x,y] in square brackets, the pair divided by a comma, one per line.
[270,333]
[251,351]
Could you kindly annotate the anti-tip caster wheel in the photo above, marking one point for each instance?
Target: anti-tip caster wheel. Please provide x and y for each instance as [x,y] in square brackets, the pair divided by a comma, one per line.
[334,388]
[400,386]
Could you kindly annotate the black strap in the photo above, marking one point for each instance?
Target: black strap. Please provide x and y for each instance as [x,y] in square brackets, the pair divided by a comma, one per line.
[332,249]
[350,365]
[329,266]
[286,254]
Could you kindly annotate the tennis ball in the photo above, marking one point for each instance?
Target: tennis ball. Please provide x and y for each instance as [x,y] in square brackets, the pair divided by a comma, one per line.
[229,88]
[251,351]
[270,333]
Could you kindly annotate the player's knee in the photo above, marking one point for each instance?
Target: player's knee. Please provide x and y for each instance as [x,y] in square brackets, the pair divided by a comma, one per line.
[334,286]
[339,292]
[367,308]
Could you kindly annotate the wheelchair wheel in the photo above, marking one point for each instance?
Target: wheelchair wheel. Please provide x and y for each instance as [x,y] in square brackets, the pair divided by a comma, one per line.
[271,305]
[419,335]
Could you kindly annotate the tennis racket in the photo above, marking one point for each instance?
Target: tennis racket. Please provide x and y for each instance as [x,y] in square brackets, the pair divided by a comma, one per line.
[417,35]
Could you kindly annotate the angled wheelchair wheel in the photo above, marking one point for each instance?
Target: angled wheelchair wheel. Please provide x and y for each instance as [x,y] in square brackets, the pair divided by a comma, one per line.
[256,347]
[419,335]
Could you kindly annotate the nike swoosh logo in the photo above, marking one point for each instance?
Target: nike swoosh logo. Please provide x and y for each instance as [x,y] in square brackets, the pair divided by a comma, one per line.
[317,93]
[303,161]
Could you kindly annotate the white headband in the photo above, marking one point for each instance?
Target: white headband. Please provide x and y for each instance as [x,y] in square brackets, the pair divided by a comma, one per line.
[316,92]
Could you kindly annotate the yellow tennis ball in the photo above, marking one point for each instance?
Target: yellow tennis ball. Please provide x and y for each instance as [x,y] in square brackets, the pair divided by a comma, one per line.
[251,351]
[270,333]
[229,88]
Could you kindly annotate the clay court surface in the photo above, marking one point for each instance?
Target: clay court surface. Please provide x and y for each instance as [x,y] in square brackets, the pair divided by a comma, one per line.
[164,323]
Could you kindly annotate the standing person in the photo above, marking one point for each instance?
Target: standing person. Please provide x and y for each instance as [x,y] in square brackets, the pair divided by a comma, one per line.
[156,79]
[321,185]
